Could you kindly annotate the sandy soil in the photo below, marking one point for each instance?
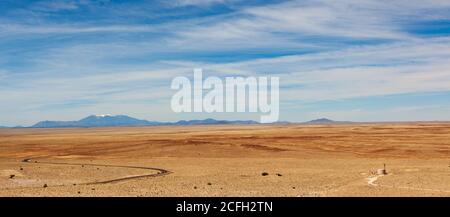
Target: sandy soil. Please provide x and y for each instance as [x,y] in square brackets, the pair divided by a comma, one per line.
[316,160]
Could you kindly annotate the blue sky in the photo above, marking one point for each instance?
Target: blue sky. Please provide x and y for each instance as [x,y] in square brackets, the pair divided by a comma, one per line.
[352,60]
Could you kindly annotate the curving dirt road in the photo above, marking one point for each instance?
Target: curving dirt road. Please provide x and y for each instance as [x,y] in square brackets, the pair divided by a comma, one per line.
[161,172]
[371,182]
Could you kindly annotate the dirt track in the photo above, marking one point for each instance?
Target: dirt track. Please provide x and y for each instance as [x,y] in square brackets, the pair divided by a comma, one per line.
[161,172]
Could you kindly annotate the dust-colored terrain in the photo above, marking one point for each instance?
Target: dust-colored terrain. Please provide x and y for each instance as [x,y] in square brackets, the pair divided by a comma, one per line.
[297,160]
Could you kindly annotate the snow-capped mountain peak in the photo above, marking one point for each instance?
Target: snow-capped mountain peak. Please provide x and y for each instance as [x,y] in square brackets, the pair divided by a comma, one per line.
[103,115]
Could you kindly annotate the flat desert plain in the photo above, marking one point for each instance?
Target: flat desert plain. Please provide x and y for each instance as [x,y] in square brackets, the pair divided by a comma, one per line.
[228,160]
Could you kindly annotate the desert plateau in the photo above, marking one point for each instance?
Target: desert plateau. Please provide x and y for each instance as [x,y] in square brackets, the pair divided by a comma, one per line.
[228,160]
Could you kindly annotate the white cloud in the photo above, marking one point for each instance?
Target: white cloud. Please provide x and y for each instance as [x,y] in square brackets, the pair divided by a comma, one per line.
[180,3]
[14,29]
[53,6]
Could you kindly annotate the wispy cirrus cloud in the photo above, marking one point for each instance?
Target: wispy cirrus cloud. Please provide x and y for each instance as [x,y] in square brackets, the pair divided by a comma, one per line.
[181,3]
[416,66]
[53,6]
[87,56]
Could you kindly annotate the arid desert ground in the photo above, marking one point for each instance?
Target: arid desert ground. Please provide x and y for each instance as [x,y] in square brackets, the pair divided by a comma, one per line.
[228,160]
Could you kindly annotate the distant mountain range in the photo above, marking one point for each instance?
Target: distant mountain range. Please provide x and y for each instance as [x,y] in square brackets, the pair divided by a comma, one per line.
[97,121]
[326,121]
[123,120]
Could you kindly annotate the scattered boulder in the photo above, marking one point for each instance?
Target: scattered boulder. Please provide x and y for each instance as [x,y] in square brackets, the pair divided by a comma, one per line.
[209,183]
[21,168]
[278,174]
[264,173]
[12,176]
[45,185]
